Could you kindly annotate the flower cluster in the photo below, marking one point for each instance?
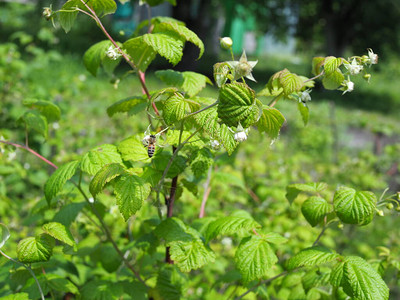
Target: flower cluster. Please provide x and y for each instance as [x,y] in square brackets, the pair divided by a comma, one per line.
[113,53]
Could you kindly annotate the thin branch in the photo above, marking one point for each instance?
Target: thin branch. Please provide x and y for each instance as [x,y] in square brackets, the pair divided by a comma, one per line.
[201,110]
[207,190]
[161,181]
[109,236]
[29,269]
[31,151]
[315,77]
[276,98]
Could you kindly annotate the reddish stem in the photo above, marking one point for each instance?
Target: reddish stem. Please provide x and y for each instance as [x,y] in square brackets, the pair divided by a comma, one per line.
[31,151]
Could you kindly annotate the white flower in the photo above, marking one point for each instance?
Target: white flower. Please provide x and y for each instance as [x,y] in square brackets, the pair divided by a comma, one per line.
[91,200]
[373,58]
[243,68]
[354,68]
[305,96]
[240,136]
[113,53]
[348,86]
[215,144]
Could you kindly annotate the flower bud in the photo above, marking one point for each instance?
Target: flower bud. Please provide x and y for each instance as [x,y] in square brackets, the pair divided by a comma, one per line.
[397,208]
[380,212]
[340,226]
[240,136]
[226,43]
[367,77]
[47,13]
[389,206]
[373,58]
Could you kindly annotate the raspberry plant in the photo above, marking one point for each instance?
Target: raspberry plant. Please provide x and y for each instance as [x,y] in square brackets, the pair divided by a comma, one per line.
[194,128]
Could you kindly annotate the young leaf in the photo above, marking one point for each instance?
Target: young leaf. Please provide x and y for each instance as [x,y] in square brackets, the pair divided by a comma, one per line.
[314,209]
[35,121]
[274,238]
[98,157]
[333,80]
[130,191]
[230,225]
[317,64]
[331,64]
[132,149]
[254,257]
[290,82]
[59,232]
[361,281]
[140,52]
[175,109]
[104,176]
[35,249]
[235,103]
[46,108]
[165,45]
[130,105]
[96,55]
[190,255]
[311,257]
[354,207]
[221,71]
[183,32]
[293,190]
[4,234]
[57,180]
[271,122]
[304,111]
[190,82]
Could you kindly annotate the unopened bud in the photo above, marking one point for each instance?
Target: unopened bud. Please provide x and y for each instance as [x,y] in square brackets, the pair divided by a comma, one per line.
[380,212]
[389,206]
[226,43]
[397,208]
[47,13]
[367,77]
[340,226]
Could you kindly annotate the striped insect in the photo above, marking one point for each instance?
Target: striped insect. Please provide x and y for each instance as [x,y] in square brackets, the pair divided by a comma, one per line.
[150,141]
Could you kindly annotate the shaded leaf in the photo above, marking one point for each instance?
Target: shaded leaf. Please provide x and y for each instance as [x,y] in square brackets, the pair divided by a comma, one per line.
[48,109]
[293,190]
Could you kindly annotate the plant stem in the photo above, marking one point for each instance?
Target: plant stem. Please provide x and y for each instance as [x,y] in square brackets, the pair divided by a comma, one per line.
[29,269]
[31,151]
[315,77]
[124,55]
[207,190]
[276,98]
[201,110]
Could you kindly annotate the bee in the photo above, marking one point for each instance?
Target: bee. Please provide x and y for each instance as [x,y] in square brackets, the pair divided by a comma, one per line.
[150,141]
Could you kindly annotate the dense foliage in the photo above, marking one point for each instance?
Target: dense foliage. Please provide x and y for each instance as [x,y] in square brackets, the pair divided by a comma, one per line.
[193,203]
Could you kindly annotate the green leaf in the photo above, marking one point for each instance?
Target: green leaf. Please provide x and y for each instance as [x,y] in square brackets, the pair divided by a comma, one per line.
[190,82]
[104,176]
[208,120]
[254,258]
[333,80]
[165,45]
[175,109]
[170,283]
[183,32]
[59,232]
[304,111]
[201,161]
[35,249]
[68,213]
[186,247]
[61,284]
[35,121]
[274,238]
[46,108]
[354,207]
[337,274]
[131,191]
[190,255]
[4,234]
[293,190]
[271,122]
[96,55]
[102,290]
[132,149]
[140,52]
[236,101]
[230,225]
[98,157]
[314,278]
[314,209]
[68,15]
[331,64]
[57,180]
[16,296]
[130,105]
[290,82]
[312,256]
[317,64]
[161,160]
[361,281]
[221,72]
